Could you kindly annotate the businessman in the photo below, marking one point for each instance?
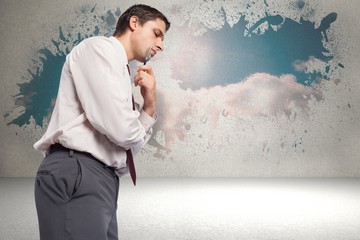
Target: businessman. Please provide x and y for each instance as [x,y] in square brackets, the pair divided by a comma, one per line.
[96,128]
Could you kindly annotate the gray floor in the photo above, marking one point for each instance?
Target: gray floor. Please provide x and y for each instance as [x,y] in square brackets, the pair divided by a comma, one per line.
[211,208]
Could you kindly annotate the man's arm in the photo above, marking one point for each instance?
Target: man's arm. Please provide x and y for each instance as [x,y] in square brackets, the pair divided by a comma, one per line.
[104,91]
[146,80]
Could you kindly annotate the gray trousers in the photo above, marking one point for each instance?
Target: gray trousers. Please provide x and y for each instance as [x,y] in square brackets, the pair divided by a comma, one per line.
[76,197]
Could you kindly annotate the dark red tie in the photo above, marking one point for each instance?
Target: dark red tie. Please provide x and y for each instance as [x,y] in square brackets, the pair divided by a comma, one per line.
[129,156]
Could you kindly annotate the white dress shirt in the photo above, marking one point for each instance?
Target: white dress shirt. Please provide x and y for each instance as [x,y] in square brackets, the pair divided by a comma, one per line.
[93,111]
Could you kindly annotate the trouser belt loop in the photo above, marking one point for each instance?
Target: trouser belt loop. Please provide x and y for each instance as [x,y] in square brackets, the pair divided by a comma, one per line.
[71,153]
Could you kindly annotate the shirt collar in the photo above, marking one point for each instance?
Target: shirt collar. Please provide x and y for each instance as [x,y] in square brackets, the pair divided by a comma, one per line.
[120,47]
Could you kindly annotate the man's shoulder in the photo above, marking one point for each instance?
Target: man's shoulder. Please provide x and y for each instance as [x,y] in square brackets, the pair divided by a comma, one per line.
[96,40]
[91,41]
[96,43]
[100,45]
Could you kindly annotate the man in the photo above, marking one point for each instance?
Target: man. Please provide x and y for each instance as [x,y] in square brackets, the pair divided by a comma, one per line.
[95,127]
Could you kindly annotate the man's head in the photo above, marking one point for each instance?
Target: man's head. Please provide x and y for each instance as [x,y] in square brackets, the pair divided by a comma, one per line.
[144,28]
[144,13]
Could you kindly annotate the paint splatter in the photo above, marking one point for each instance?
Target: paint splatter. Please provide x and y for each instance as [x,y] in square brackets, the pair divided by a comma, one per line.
[37,95]
[274,44]
[300,4]
[231,54]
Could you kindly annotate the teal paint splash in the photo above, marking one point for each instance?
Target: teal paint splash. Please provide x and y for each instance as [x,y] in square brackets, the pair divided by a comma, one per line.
[236,55]
[109,18]
[38,94]
[237,52]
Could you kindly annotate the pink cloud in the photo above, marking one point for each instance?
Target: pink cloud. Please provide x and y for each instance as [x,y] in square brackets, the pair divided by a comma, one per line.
[260,94]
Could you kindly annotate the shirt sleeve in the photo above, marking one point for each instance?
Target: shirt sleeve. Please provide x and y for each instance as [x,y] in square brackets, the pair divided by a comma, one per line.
[104,91]
[147,122]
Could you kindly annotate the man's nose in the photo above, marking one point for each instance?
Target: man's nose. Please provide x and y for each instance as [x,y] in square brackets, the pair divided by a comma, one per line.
[160,45]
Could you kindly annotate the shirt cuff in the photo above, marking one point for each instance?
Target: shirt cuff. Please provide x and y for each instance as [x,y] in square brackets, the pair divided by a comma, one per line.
[147,121]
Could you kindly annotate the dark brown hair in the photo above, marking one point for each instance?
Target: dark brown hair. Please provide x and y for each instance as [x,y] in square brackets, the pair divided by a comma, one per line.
[143,12]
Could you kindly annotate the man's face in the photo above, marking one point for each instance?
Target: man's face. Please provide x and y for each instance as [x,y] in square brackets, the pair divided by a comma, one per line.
[149,35]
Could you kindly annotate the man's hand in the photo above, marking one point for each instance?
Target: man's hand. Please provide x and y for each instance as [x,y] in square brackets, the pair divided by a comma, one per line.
[146,80]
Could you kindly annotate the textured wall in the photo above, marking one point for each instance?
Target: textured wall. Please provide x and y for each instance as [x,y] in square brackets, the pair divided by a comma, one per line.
[246,88]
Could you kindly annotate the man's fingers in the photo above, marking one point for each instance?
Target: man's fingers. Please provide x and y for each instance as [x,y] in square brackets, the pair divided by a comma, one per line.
[145,78]
[146,68]
[139,76]
[136,80]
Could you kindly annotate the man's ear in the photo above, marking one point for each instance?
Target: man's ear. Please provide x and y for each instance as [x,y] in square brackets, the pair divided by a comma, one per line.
[133,23]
